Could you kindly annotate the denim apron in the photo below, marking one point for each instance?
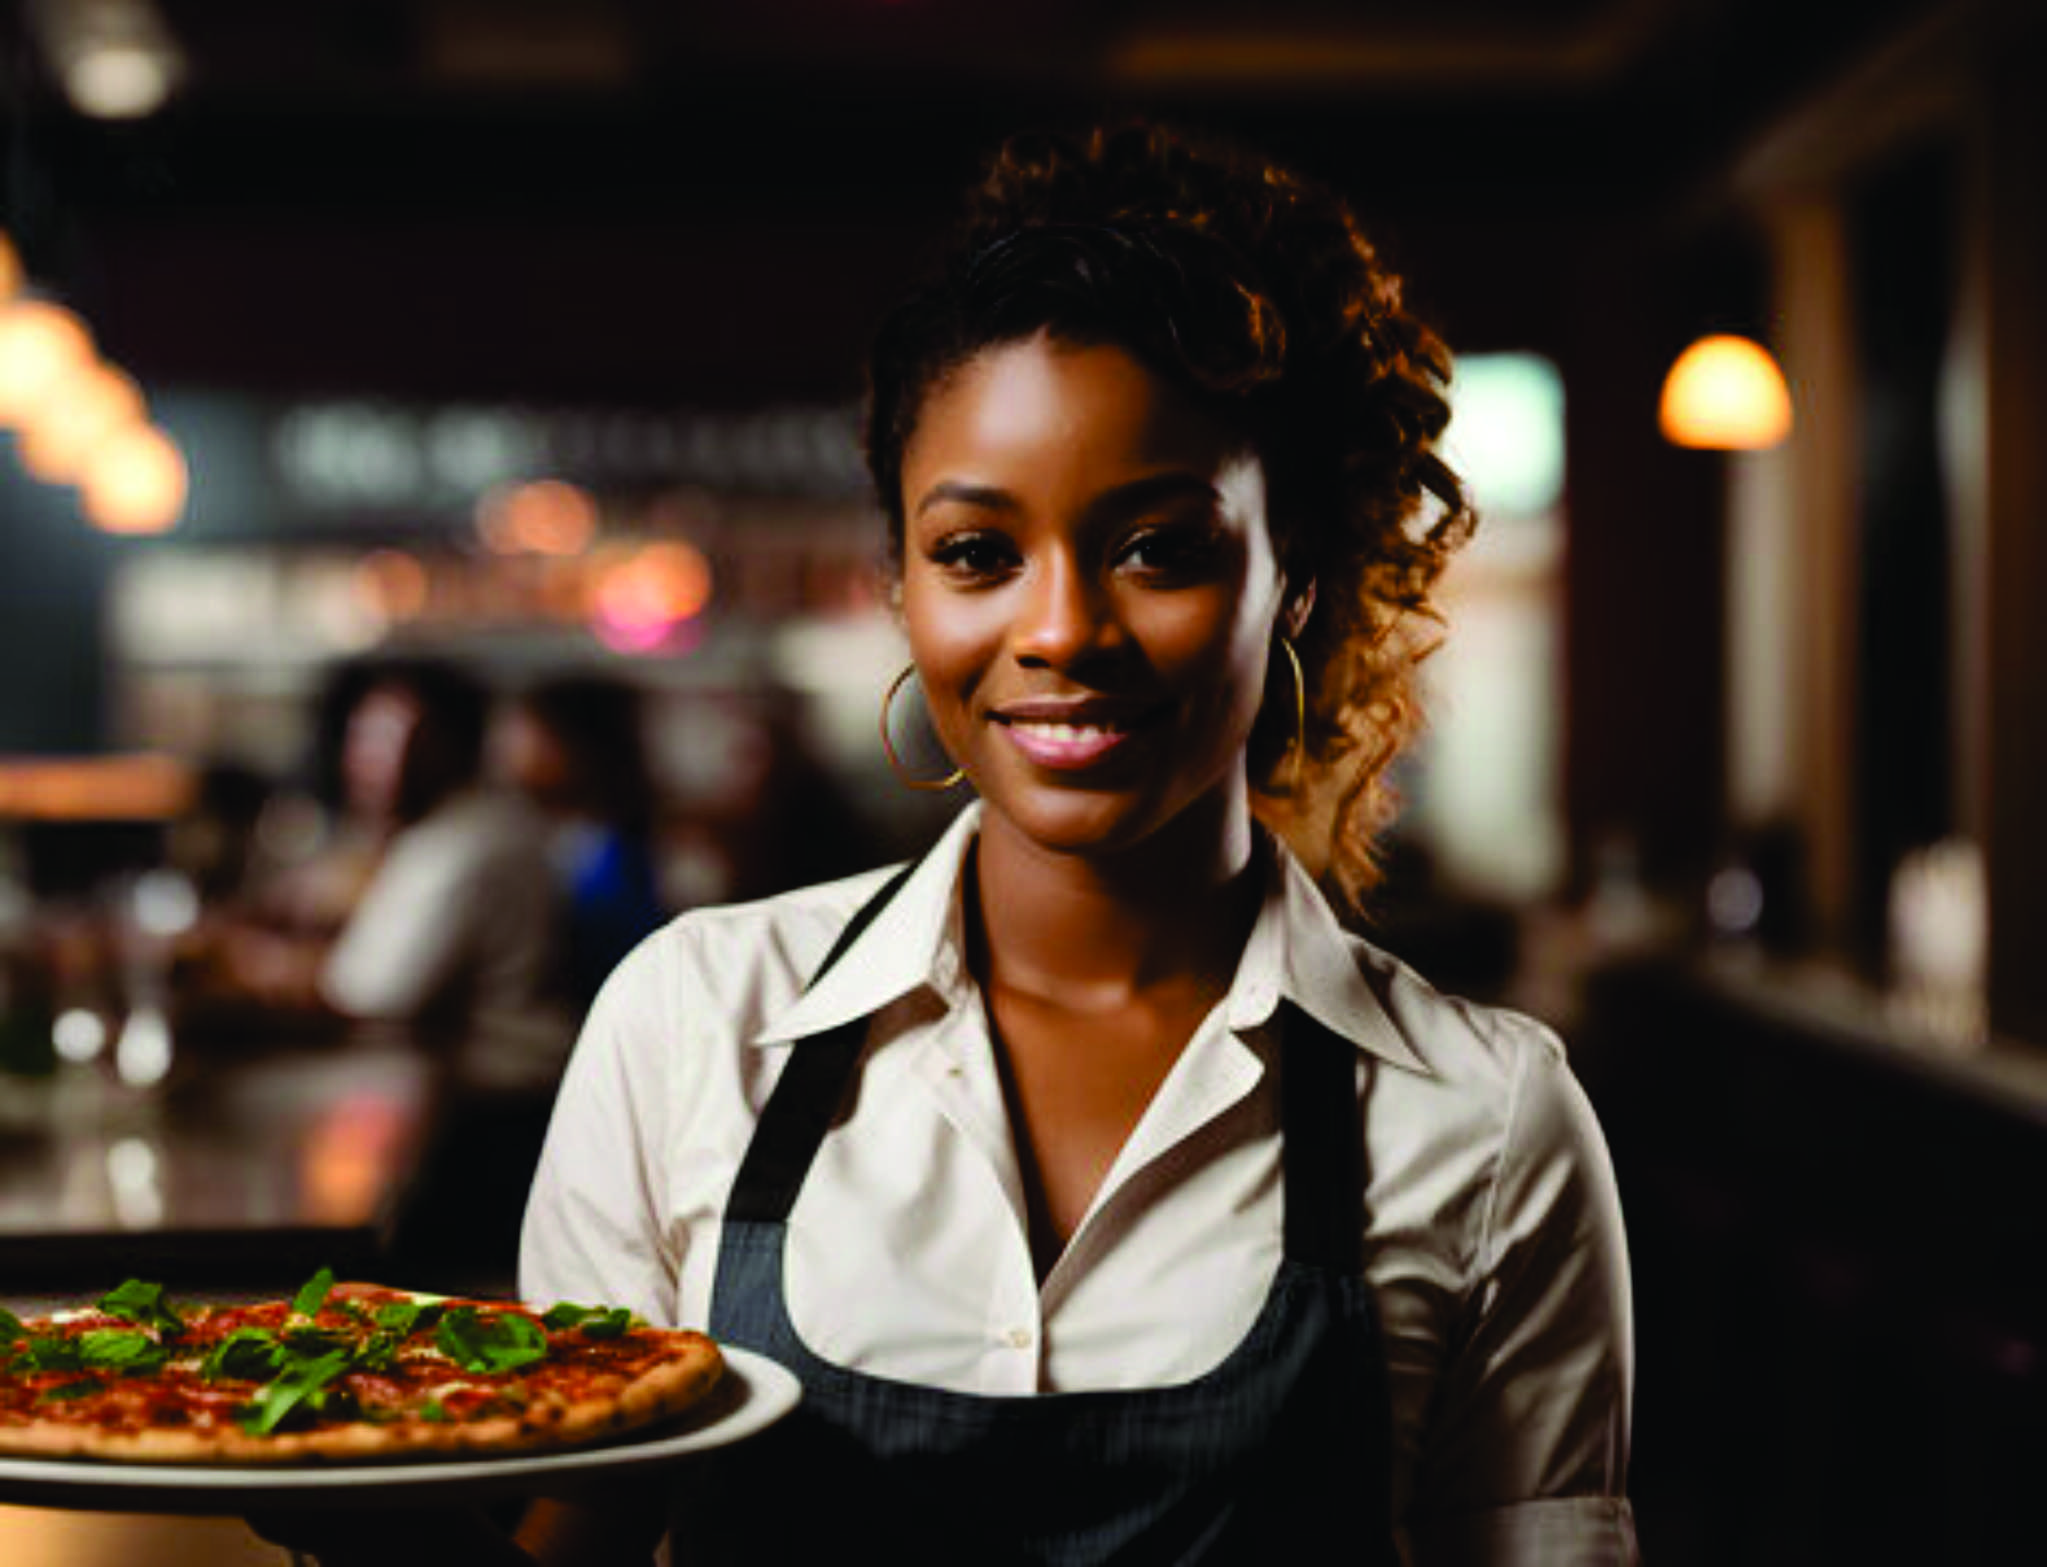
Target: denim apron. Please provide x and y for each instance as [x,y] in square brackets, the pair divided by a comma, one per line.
[1278,1454]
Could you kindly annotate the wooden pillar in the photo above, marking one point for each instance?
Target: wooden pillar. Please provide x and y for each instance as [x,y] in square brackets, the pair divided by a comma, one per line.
[2013,227]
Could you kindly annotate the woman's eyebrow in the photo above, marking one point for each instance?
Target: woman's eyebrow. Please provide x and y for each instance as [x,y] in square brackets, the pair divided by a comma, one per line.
[1156,489]
[961,492]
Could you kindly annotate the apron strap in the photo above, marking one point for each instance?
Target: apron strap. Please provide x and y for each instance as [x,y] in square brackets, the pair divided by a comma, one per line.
[800,1109]
[1323,1153]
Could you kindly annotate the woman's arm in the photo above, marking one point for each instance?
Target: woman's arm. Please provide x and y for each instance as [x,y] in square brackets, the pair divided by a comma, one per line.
[1525,1459]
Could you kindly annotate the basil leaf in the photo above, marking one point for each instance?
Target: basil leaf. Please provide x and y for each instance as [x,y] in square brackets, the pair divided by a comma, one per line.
[502,1341]
[433,1409]
[142,1304]
[51,1352]
[10,1327]
[121,1349]
[247,1354]
[309,1343]
[595,1321]
[408,1316]
[63,1392]
[610,1324]
[313,1293]
[276,1399]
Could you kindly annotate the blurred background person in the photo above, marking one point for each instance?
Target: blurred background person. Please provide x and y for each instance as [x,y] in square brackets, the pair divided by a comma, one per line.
[454,928]
[456,937]
[575,746]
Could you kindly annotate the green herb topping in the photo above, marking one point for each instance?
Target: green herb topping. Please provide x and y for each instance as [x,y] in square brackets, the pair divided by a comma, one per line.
[142,1304]
[301,1383]
[313,1294]
[594,1321]
[499,1341]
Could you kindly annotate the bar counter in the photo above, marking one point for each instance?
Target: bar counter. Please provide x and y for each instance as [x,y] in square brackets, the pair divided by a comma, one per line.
[1840,1265]
[251,1163]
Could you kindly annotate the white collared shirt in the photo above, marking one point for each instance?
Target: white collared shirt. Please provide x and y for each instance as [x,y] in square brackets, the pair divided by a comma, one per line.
[1494,1245]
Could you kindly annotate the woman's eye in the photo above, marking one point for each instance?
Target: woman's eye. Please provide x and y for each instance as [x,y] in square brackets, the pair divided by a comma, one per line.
[1172,554]
[972,555]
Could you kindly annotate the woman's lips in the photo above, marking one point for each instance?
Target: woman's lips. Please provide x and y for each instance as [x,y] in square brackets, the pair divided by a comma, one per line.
[1067,743]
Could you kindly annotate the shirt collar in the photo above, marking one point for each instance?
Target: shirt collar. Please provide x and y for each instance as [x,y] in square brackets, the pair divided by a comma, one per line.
[918,940]
[1297,951]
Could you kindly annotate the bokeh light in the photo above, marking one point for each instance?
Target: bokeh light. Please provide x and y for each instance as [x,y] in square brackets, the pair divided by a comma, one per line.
[40,343]
[640,603]
[135,482]
[82,408]
[538,517]
[392,584]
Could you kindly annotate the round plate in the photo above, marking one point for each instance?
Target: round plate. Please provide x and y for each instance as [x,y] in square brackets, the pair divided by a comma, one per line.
[752,1395]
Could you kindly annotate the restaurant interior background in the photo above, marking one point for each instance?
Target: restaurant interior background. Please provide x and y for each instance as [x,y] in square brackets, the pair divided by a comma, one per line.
[529,333]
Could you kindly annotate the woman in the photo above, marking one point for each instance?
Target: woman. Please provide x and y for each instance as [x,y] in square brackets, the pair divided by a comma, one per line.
[1158,458]
[1145,1215]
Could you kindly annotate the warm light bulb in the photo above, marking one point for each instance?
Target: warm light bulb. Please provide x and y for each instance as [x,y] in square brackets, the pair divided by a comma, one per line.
[40,343]
[1725,393]
[135,482]
[80,410]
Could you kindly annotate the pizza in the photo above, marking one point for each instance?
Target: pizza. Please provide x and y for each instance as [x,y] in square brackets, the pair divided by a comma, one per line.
[338,1373]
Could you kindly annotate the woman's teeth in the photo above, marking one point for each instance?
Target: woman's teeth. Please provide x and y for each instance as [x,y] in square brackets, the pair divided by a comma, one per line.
[1064,733]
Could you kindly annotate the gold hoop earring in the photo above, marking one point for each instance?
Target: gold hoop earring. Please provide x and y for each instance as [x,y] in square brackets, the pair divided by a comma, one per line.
[888,749]
[1300,745]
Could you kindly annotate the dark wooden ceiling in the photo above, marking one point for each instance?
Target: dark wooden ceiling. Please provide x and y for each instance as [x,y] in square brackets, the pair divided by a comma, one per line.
[328,163]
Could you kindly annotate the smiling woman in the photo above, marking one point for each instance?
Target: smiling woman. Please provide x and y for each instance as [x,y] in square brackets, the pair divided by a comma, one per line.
[1108,1197]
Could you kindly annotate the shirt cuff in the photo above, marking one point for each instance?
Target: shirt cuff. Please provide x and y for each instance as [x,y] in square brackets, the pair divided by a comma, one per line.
[1569,1531]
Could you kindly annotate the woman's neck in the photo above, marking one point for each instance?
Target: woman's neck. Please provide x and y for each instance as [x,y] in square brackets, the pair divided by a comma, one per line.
[1090,932]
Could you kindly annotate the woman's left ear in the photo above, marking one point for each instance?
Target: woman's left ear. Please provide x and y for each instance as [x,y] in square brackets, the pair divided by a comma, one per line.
[1293,614]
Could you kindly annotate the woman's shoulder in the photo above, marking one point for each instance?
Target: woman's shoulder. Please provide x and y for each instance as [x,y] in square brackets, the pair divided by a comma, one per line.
[760,946]
[1471,1046]
[1496,1077]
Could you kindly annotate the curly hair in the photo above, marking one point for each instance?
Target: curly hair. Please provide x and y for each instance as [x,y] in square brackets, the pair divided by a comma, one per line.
[1254,290]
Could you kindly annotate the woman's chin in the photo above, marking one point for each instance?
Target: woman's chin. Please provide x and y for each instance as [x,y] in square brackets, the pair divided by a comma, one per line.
[1102,821]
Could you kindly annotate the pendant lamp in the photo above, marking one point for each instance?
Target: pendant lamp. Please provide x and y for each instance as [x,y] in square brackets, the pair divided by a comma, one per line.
[1725,393]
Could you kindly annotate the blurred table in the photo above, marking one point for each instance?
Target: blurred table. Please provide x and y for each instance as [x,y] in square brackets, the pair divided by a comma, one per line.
[250,1163]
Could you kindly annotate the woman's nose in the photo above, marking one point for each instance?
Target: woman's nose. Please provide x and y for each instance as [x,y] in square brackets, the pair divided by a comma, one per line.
[1064,616]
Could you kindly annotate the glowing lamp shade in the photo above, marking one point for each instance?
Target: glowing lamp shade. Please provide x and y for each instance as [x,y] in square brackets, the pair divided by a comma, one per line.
[1725,393]
[12,274]
[40,345]
[135,482]
[81,410]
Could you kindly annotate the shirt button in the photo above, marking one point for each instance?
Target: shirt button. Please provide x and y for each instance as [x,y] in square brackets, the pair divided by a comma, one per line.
[1019,1338]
